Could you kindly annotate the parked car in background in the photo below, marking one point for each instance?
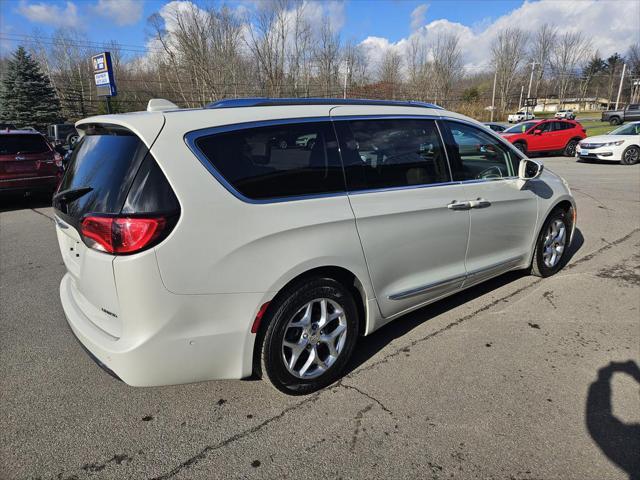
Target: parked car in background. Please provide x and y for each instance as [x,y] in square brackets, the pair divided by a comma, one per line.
[62,134]
[622,144]
[496,127]
[196,249]
[520,116]
[566,114]
[627,114]
[28,162]
[546,136]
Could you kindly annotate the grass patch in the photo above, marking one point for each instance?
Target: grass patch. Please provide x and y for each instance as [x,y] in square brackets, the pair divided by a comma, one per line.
[597,128]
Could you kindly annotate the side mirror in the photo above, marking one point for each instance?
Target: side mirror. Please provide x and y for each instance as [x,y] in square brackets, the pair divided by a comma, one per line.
[537,132]
[529,169]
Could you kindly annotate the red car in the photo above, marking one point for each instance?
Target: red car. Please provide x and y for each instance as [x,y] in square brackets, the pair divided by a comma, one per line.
[28,162]
[552,135]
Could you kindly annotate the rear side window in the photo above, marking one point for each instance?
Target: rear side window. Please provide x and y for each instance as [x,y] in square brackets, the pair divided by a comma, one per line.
[277,161]
[392,153]
[13,144]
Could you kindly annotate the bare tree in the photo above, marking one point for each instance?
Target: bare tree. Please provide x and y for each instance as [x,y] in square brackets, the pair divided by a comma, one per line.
[569,50]
[447,64]
[389,72]
[507,52]
[541,46]
[327,57]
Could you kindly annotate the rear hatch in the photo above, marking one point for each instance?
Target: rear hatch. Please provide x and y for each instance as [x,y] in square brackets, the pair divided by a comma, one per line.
[113,200]
[26,155]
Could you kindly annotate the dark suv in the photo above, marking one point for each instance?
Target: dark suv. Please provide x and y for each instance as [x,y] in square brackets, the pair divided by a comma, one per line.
[28,162]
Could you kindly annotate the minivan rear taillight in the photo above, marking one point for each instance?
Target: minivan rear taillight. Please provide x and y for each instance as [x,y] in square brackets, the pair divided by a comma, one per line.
[121,235]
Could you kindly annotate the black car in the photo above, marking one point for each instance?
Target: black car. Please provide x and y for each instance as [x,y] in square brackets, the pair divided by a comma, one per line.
[496,127]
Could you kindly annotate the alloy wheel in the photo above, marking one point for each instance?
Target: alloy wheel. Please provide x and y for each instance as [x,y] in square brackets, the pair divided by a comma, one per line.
[631,156]
[314,338]
[555,240]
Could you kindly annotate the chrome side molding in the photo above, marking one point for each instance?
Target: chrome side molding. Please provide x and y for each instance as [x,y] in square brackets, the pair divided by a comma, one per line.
[474,276]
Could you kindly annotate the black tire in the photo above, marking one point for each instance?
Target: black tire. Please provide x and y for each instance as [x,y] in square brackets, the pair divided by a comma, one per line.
[282,310]
[72,138]
[570,148]
[614,121]
[630,156]
[538,266]
[521,146]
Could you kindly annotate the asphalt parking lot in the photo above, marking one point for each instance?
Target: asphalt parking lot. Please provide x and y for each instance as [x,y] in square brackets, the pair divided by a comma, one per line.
[519,378]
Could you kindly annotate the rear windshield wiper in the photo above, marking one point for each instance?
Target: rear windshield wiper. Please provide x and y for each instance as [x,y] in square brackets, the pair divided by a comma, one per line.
[71,194]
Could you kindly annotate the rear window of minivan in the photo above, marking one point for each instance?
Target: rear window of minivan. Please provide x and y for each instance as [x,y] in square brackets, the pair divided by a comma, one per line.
[105,161]
[276,161]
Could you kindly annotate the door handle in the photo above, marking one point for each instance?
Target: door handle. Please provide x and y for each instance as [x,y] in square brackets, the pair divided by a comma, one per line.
[480,203]
[459,205]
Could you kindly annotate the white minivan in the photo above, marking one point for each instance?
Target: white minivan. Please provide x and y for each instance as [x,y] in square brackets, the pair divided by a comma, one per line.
[264,236]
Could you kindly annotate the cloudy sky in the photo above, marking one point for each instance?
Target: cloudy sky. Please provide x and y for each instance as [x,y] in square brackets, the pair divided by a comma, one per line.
[378,25]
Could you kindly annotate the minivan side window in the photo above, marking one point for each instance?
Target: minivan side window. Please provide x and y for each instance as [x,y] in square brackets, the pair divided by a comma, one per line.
[387,153]
[277,161]
[476,155]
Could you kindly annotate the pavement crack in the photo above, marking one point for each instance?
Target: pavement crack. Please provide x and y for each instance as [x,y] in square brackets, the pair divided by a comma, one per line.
[190,462]
[370,397]
[356,431]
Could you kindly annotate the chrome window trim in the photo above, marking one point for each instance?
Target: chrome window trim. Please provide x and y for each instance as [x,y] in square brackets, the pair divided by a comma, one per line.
[190,138]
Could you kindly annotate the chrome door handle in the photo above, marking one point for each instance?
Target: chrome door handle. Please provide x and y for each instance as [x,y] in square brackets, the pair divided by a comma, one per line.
[459,205]
[480,203]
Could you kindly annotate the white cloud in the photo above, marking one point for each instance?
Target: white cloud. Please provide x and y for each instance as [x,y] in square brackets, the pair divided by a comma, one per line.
[50,14]
[122,12]
[418,16]
[608,24]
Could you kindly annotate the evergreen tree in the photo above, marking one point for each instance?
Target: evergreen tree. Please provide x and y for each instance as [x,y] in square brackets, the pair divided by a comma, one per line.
[26,95]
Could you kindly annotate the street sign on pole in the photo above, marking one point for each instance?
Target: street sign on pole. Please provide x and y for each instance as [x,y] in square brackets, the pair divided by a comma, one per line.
[103,77]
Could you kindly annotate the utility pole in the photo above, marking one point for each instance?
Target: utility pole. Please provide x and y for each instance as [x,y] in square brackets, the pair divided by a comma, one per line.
[493,96]
[520,101]
[624,68]
[533,66]
[346,76]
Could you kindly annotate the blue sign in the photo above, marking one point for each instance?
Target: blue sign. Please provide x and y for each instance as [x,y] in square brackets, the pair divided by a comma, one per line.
[103,75]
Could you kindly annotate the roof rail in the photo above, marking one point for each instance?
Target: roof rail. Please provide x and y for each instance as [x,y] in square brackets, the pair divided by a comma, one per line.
[272,102]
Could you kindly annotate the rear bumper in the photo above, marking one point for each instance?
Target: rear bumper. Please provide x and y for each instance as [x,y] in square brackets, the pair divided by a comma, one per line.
[196,338]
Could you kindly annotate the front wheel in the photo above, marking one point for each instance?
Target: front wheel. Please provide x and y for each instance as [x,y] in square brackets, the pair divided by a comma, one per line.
[630,156]
[552,244]
[521,146]
[570,149]
[313,329]
[614,121]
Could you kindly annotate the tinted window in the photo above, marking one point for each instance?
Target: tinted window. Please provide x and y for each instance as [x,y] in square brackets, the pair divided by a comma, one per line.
[520,127]
[392,153]
[545,127]
[277,161]
[14,144]
[634,107]
[106,161]
[475,154]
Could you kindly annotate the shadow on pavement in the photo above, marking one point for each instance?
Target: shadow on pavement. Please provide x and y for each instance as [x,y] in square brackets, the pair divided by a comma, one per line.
[372,344]
[619,441]
[21,201]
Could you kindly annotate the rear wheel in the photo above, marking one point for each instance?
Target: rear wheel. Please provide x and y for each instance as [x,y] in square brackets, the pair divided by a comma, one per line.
[630,156]
[313,328]
[570,149]
[552,244]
